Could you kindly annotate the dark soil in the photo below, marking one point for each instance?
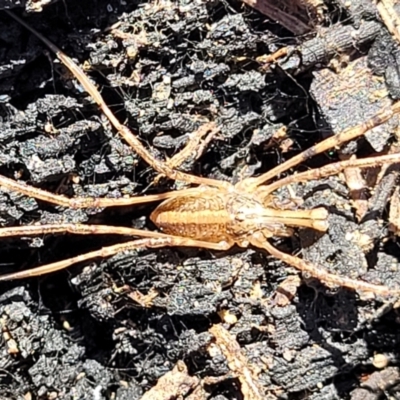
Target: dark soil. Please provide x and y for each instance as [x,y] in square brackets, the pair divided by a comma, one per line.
[79,334]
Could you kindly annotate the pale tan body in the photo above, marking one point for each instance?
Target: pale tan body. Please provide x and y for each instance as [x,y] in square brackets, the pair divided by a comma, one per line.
[215,214]
[229,216]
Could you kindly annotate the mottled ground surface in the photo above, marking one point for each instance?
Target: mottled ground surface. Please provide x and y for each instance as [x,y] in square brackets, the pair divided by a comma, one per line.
[90,332]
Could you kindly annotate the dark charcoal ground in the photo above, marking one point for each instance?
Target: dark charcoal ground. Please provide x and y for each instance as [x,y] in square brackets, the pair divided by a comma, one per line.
[78,335]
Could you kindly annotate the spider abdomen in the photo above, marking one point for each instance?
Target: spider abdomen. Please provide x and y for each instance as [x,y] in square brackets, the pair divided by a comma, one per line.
[196,217]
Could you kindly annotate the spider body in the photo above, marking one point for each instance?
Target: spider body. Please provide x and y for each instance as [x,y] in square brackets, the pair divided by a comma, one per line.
[231,216]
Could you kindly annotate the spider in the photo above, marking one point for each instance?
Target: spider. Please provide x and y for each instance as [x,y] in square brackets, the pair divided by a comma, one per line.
[213,214]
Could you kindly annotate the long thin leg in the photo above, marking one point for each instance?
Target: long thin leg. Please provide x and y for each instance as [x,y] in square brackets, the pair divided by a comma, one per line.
[112,250]
[332,169]
[345,136]
[87,202]
[124,131]
[321,274]
[194,148]
[77,229]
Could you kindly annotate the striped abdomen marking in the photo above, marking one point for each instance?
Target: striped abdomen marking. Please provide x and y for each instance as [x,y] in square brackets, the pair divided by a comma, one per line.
[197,217]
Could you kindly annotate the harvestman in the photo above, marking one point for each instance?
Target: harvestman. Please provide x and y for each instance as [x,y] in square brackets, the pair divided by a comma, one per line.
[214,215]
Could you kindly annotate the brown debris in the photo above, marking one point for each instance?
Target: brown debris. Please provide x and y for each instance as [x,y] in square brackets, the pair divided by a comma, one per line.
[173,384]
[389,17]
[237,363]
[10,343]
[394,213]
[299,17]
[286,291]
[145,300]
[358,188]
[376,385]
